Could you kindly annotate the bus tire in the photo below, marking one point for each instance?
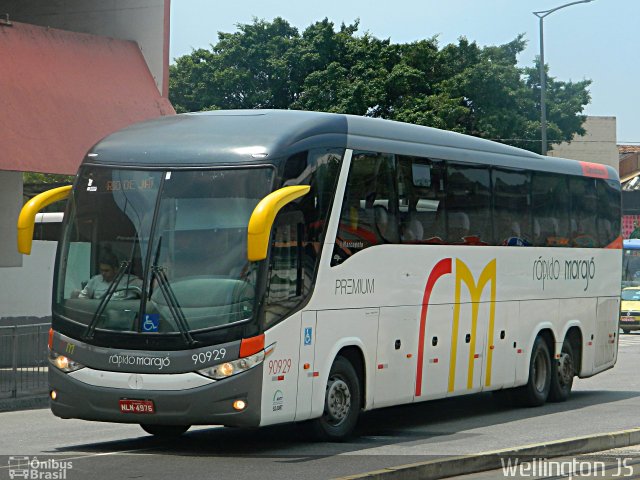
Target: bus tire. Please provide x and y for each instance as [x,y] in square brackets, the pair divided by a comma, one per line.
[562,372]
[342,402]
[536,390]
[165,431]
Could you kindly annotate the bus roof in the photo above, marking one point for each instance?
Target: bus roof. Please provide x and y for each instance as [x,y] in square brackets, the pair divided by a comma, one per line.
[244,137]
[631,244]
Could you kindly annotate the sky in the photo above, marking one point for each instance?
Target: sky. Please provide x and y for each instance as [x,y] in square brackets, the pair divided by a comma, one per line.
[597,40]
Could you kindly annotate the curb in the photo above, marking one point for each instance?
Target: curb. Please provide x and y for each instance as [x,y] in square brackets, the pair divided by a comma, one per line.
[24,403]
[480,462]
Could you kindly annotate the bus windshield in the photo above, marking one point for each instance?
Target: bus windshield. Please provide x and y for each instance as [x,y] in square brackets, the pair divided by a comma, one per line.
[631,263]
[158,252]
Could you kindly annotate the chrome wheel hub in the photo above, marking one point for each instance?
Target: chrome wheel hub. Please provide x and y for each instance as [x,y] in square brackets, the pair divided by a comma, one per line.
[338,400]
[565,369]
[540,372]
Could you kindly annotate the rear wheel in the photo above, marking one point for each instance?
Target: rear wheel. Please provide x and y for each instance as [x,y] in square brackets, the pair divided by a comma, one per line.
[562,372]
[165,431]
[626,330]
[341,403]
[536,391]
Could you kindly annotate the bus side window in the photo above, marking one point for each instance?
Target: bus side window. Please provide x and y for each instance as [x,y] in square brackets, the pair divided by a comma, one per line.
[608,211]
[420,190]
[583,212]
[550,206]
[369,210]
[48,226]
[468,205]
[285,278]
[512,208]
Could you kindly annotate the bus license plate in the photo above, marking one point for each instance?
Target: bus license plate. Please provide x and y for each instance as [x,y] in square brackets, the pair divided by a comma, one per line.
[628,319]
[136,406]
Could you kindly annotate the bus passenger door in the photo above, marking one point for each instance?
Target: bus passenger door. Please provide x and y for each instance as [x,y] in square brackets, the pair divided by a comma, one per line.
[396,355]
[432,373]
[608,312]
[468,348]
[500,362]
[306,366]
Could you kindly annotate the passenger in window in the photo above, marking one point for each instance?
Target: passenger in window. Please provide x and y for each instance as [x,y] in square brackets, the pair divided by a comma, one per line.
[458,227]
[582,238]
[412,230]
[553,236]
[460,231]
[382,224]
[515,238]
[97,286]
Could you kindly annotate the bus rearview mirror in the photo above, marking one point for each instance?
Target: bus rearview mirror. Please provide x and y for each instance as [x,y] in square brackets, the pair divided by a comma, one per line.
[27,218]
[263,216]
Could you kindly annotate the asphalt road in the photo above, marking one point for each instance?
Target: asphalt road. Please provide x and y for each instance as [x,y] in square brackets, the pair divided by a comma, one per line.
[394,436]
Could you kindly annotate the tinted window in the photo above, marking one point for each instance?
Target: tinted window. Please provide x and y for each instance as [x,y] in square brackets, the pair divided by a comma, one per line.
[49,231]
[583,212]
[468,205]
[512,208]
[550,207]
[421,192]
[370,208]
[608,211]
[299,231]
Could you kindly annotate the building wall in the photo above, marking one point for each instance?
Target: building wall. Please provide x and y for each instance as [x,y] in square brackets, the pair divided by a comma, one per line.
[598,145]
[25,292]
[144,21]
[11,201]
[629,164]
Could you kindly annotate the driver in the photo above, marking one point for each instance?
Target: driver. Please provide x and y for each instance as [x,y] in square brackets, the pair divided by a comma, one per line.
[98,285]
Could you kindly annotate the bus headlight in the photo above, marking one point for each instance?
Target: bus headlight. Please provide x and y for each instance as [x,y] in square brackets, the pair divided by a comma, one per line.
[234,367]
[63,363]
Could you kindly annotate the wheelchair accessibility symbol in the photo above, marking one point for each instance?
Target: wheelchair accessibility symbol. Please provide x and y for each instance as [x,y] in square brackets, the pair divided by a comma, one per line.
[151,322]
[308,336]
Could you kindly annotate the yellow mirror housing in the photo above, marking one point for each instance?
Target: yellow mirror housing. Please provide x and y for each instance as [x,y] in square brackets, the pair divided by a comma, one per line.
[27,218]
[263,217]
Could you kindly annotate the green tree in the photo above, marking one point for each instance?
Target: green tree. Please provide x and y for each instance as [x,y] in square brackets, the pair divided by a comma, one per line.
[461,87]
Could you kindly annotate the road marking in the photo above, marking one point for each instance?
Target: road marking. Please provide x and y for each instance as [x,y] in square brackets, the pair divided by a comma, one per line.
[626,340]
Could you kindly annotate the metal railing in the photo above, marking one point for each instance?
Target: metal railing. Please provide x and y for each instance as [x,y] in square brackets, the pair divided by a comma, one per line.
[23,360]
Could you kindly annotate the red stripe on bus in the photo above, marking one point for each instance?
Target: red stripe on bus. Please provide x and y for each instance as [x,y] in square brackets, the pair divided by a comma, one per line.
[616,244]
[250,346]
[595,170]
[443,267]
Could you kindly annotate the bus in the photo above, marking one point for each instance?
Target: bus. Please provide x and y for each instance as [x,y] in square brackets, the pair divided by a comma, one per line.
[249,268]
[631,263]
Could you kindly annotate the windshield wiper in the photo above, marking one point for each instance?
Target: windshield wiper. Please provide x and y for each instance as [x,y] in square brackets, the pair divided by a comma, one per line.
[91,327]
[172,302]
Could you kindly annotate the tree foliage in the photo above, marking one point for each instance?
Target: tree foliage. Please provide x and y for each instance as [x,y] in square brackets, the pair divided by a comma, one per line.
[462,87]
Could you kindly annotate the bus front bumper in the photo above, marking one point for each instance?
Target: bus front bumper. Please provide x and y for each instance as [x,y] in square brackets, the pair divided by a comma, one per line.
[210,404]
[629,322]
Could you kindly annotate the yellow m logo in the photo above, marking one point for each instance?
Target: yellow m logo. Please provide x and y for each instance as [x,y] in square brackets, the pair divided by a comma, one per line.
[463,274]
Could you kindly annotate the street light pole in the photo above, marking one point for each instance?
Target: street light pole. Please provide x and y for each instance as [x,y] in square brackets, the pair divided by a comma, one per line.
[543,76]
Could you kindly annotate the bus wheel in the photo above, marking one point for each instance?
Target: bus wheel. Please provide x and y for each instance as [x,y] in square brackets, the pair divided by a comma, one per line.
[165,431]
[536,391]
[562,373]
[626,330]
[341,403]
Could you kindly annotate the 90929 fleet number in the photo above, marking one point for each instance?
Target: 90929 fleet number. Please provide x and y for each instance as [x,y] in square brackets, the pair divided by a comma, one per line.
[209,355]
